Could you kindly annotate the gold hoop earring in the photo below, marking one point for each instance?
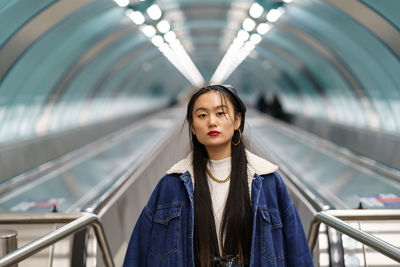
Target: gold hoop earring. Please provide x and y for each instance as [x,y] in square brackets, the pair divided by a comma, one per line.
[240,138]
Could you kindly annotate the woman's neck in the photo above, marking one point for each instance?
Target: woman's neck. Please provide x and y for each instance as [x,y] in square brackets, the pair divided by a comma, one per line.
[218,152]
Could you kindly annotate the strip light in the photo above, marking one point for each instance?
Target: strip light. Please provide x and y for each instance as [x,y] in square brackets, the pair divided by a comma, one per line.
[122,3]
[256,10]
[154,12]
[166,41]
[247,38]
[163,26]
[148,30]
[274,14]
[136,16]
[176,54]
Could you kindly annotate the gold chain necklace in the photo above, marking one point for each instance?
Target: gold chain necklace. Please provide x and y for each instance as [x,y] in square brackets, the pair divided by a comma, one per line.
[216,179]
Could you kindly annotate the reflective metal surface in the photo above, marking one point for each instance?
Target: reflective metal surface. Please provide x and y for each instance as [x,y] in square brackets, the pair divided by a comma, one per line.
[8,242]
[335,222]
[76,223]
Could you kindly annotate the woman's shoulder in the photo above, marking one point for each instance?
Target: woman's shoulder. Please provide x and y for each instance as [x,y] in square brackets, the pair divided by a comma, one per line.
[275,188]
[169,189]
[273,178]
[169,179]
[182,166]
[259,165]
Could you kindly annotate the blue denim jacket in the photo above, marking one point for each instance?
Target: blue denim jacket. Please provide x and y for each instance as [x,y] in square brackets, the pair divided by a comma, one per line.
[163,235]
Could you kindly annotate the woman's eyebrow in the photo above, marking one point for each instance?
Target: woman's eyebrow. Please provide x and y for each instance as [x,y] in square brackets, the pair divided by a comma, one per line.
[217,107]
[198,109]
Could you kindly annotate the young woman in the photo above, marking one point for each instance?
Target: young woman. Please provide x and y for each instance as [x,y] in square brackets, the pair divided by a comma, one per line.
[222,205]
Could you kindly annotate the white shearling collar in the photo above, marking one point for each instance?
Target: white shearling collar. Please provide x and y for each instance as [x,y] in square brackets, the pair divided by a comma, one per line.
[255,164]
[183,166]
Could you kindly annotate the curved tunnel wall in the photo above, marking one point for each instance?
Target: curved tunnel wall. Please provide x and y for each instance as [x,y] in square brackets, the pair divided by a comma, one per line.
[327,62]
[67,64]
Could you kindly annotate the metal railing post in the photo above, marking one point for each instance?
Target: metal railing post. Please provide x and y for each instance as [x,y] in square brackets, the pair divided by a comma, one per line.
[367,239]
[313,235]
[74,225]
[8,242]
[103,244]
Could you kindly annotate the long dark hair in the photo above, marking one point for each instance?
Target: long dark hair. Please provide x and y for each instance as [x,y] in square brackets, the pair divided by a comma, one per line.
[236,220]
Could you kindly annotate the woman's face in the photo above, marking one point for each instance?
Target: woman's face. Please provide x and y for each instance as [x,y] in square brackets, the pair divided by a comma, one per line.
[214,120]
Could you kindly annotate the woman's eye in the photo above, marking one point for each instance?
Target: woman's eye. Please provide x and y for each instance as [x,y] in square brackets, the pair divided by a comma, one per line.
[221,113]
[202,115]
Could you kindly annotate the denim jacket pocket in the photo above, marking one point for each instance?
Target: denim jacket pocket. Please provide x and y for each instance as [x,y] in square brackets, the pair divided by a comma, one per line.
[165,232]
[272,236]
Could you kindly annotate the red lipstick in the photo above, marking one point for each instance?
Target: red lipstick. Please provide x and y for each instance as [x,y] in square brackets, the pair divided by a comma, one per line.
[213,133]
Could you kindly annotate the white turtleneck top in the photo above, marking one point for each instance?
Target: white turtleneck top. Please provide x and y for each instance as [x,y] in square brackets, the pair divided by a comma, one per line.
[220,169]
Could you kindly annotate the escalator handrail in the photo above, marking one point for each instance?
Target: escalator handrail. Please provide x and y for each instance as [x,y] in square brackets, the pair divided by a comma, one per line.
[75,222]
[334,219]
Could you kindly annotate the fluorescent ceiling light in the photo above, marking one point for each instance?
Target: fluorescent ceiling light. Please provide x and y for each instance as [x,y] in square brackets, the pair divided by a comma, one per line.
[167,52]
[163,26]
[157,40]
[274,14]
[176,45]
[237,42]
[122,3]
[149,30]
[241,46]
[243,35]
[248,24]
[136,16]
[263,28]
[255,38]
[174,52]
[154,12]
[287,1]
[170,36]
[174,42]
[164,47]
[256,10]
[248,46]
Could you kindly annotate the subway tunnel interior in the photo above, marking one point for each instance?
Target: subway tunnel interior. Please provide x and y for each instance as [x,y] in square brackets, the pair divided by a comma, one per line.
[74,74]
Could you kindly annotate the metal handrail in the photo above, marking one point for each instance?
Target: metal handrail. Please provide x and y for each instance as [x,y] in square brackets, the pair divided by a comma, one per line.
[75,222]
[334,219]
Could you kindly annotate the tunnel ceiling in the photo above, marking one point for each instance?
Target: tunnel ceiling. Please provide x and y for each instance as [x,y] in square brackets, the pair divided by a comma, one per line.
[206,28]
[348,40]
[68,63]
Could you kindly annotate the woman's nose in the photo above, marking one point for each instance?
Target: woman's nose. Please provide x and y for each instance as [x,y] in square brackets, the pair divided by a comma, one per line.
[212,121]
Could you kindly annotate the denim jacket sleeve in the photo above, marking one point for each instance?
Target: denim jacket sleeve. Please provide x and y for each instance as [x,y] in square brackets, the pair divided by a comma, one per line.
[136,254]
[297,250]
